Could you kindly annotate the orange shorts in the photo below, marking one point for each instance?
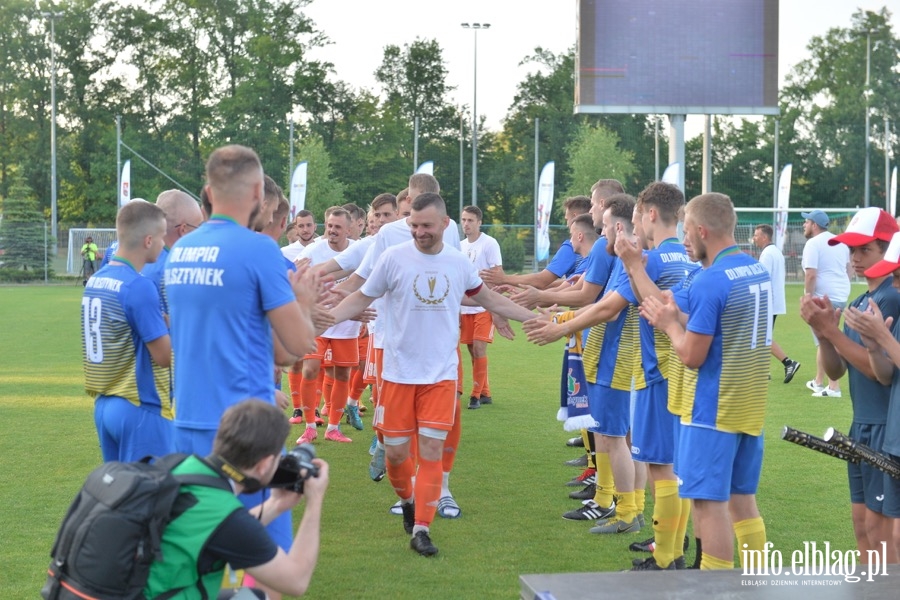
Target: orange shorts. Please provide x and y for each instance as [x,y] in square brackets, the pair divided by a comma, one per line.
[362,343]
[369,375]
[403,407]
[479,326]
[343,353]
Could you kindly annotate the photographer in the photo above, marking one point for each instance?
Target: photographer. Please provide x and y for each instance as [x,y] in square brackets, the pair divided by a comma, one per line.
[89,253]
[216,529]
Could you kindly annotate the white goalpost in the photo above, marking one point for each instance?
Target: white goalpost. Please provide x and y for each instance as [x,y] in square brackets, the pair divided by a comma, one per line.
[102,237]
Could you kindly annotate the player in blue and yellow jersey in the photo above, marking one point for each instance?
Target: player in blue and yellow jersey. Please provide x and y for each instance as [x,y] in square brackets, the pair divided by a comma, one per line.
[725,345]
[586,290]
[614,340]
[653,434]
[669,364]
[126,348]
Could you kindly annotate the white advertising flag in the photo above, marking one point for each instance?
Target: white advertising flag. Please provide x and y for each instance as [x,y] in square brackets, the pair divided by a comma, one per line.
[543,205]
[426,167]
[670,175]
[298,189]
[893,196]
[784,201]
[125,191]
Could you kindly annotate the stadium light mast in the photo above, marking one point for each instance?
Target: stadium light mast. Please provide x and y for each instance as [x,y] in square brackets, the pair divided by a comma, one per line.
[475,27]
[867,93]
[52,16]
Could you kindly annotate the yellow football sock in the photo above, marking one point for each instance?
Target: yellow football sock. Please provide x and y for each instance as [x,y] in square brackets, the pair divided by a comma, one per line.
[711,563]
[588,439]
[666,518]
[640,497]
[751,532]
[682,525]
[626,509]
[606,484]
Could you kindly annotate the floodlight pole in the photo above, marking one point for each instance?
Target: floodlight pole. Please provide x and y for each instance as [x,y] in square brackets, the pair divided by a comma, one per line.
[118,161]
[887,163]
[775,173]
[461,165]
[475,27]
[866,94]
[52,16]
[290,173]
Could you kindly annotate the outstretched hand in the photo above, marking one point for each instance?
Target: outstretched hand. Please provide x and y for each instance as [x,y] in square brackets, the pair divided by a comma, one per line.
[493,276]
[501,324]
[528,296]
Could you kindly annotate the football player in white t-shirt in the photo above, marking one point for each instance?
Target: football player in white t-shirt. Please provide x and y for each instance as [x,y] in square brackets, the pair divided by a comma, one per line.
[340,339]
[423,282]
[476,324]
[305,226]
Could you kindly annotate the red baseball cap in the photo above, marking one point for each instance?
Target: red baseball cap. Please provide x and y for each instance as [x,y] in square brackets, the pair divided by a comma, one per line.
[890,262]
[867,225]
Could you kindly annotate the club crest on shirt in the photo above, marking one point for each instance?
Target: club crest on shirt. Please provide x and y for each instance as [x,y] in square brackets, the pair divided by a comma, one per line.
[433,289]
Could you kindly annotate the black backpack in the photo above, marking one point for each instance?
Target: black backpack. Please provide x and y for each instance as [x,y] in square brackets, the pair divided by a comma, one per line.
[113,530]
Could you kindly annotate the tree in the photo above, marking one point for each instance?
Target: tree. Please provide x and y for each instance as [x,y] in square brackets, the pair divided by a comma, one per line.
[322,189]
[23,230]
[414,80]
[595,150]
[826,98]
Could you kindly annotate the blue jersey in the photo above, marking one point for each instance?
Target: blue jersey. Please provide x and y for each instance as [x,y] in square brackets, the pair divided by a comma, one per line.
[221,281]
[870,398]
[674,370]
[565,262]
[110,252]
[119,316]
[666,266]
[155,272]
[730,301]
[599,263]
[611,348]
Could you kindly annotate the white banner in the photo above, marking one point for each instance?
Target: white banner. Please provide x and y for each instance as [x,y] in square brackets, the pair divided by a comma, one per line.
[543,206]
[298,189]
[426,167]
[893,196]
[125,191]
[783,203]
[670,175]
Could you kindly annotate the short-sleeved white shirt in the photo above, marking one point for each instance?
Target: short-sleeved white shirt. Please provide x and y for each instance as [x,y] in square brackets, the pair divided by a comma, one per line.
[321,253]
[422,295]
[395,233]
[353,256]
[773,260]
[484,253]
[292,251]
[830,263]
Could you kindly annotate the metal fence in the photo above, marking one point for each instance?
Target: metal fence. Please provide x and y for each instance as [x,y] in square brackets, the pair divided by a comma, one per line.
[65,261]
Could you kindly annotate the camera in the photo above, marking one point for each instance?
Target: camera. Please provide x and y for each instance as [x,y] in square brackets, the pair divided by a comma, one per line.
[294,468]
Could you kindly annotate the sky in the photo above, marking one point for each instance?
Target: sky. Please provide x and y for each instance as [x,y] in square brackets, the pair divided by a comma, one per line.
[516,28]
